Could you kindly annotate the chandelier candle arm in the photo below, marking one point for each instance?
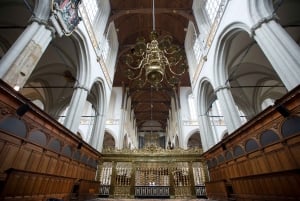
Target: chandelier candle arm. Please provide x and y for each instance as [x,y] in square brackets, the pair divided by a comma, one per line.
[155,61]
[153,15]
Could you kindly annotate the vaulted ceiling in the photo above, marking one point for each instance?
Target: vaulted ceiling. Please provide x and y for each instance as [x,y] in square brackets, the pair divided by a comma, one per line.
[133,19]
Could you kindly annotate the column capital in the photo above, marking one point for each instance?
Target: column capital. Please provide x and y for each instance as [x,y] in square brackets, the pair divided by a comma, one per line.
[221,87]
[43,22]
[78,86]
[263,20]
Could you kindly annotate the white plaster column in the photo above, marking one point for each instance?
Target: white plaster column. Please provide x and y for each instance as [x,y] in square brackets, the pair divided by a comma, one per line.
[206,133]
[213,126]
[119,141]
[18,63]
[280,49]
[73,116]
[98,133]
[180,133]
[228,107]
[179,121]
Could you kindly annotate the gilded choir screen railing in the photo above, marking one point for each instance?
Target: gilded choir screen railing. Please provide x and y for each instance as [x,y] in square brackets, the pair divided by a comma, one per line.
[182,182]
[152,179]
[105,178]
[122,182]
[199,179]
[152,174]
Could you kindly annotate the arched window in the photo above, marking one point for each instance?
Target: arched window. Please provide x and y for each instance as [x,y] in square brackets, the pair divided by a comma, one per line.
[221,159]
[38,137]
[268,137]
[84,159]
[67,151]
[55,145]
[77,155]
[251,145]
[291,127]
[238,151]
[13,126]
[228,155]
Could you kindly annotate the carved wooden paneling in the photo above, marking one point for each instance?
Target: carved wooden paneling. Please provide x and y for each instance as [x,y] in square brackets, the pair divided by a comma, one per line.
[216,190]
[281,186]
[8,156]
[44,163]
[34,147]
[21,184]
[22,159]
[266,164]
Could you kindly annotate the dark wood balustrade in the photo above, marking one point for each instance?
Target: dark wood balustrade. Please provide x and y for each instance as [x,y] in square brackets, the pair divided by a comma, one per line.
[260,160]
[33,143]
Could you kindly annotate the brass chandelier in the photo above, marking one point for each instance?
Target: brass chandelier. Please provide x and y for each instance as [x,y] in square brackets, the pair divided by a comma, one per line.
[155,61]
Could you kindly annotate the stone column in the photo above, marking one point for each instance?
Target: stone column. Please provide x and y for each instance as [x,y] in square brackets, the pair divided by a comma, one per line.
[206,133]
[97,137]
[280,49]
[18,63]
[72,120]
[229,109]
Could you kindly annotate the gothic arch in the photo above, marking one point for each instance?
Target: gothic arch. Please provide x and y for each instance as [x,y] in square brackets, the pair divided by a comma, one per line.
[98,99]
[205,98]
[109,140]
[249,79]
[220,70]
[193,139]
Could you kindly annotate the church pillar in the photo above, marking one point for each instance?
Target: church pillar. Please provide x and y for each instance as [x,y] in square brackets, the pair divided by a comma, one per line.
[280,49]
[228,107]
[179,118]
[72,120]
[97,137]
[18,63]
[206,133]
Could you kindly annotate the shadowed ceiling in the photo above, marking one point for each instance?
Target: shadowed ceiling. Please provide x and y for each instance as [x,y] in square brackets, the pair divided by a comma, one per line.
[133,19]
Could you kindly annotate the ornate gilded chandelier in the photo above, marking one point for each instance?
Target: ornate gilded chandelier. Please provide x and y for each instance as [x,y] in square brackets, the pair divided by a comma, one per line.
[155,61]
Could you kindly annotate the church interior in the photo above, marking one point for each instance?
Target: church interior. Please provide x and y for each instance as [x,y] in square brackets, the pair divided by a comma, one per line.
[149,99]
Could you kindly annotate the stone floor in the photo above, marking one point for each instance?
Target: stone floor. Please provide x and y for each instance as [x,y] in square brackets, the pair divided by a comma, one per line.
[146,199]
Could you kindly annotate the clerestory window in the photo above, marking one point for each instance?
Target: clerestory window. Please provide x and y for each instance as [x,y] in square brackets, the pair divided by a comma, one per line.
[92,8]
[212,7]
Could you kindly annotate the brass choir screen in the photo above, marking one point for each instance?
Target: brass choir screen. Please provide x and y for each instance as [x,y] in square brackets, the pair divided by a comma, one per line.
[199,179]
[182,182]
[123,179]
[152,174]
[105,175]
[105,178]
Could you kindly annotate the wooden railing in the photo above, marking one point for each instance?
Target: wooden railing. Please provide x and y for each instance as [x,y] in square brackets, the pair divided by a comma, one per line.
[26,185]
[32,142]
[261,159]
